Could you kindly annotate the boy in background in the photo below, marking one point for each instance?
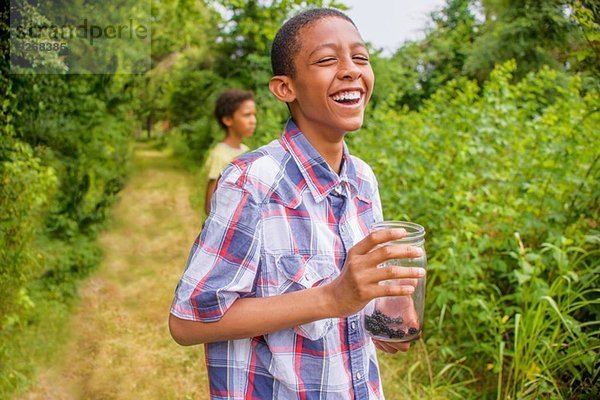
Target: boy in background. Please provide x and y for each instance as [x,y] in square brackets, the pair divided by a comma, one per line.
[235,111]
[284,264]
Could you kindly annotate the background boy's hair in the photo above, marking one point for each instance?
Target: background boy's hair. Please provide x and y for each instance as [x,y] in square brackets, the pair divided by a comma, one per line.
[287,41]
[229,101]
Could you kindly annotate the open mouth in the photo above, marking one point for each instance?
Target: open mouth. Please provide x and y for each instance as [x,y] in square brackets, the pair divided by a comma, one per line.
[348,97]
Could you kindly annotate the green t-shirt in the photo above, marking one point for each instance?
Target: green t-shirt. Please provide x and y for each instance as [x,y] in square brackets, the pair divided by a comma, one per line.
[220,156]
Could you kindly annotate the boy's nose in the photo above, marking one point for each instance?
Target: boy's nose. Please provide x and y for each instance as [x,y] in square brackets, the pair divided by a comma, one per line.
[349,70]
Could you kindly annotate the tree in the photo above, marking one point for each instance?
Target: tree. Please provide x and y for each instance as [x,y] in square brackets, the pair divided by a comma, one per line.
[247,29]
[532,32]
[586,52]
[425,66]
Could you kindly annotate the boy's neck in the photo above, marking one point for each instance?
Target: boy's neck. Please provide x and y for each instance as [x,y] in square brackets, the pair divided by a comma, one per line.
[232,140]
[333,157]
[331,149]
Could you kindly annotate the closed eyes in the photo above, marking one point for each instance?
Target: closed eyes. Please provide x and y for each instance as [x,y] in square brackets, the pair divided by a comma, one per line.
[361,58]
[326,60]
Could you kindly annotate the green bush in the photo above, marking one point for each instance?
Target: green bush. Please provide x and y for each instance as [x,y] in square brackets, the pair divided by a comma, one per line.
[503,178]
[64,152]
[26,190]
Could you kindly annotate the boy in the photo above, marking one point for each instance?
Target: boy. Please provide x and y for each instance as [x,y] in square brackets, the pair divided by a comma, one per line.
[235,111]
[285,262]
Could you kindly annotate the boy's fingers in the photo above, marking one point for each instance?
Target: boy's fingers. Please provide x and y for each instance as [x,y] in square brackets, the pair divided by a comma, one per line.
[393,290]
[387,348]
[403,347]
[391,347]
[407,282]
[390,252]
[402,276]
[378,237]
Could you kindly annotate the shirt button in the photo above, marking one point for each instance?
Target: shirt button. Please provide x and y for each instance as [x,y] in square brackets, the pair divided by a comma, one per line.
[358,375]
[353,325]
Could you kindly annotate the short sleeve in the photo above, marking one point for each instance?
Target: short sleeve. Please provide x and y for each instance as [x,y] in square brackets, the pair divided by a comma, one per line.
[215,164]
[224,260]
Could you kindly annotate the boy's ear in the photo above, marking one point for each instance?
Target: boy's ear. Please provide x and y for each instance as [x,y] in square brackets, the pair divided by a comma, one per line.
[227,121]
[282,87]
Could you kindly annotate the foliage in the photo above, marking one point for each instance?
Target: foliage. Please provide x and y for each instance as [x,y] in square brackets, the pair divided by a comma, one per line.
[63,158]
[534,33]
[469,38]
[180,25]
[247,29]
[25,191]
[181,35]
[440,57]
[586,16]
[86,142]
[478,166]
[559,33]
[420,68]
[556,301]
[26,16]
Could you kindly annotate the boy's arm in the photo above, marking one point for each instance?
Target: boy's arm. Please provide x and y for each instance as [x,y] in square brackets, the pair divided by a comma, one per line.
[357,284]
[249,317]
[210,188]
[214,165]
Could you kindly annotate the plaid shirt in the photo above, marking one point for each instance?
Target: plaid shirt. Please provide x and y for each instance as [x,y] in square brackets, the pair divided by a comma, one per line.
[281,220]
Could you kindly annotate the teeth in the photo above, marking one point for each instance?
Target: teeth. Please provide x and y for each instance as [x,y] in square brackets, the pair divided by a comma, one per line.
[349,95]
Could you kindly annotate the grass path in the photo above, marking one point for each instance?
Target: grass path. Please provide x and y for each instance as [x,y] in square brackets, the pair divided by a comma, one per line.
[120,346]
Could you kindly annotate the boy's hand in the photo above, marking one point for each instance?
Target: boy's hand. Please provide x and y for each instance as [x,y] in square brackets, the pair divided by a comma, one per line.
[391,347]
[359,280]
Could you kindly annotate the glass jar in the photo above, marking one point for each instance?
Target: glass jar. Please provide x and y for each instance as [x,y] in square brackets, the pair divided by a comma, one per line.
[399,318]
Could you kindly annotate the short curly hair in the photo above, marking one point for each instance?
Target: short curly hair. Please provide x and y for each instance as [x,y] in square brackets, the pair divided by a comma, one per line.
[229,101]
[287,44]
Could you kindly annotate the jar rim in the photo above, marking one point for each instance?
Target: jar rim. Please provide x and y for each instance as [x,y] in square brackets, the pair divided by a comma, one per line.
[413,230]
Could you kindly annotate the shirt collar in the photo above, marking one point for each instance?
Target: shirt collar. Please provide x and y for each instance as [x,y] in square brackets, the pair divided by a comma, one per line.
[319,176]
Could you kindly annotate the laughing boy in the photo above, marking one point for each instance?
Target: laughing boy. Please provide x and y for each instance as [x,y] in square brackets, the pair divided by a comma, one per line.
[277,278]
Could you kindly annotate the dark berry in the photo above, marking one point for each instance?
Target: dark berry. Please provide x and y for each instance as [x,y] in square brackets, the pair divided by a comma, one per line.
[397,333]
[381,324]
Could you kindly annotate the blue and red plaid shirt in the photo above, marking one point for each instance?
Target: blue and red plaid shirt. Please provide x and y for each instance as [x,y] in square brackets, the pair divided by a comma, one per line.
[282,220]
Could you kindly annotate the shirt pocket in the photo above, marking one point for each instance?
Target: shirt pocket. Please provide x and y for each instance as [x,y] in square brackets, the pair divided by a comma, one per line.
[296,272]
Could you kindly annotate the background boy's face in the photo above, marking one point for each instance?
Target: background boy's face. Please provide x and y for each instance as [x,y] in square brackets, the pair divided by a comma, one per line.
[333,80]
[243,121]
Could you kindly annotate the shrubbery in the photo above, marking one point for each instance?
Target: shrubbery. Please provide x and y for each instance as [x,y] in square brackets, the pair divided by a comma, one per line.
[64,152]
[505,178]
[25,192]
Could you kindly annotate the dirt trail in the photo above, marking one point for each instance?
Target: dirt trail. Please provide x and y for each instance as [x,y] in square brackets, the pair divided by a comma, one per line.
[120,346]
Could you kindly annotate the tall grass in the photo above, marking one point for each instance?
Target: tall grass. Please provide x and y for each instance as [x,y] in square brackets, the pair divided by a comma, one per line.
[555,336]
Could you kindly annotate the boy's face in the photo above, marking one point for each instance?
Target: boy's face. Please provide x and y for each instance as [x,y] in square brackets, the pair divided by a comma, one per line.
[243,121]
[333,81]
